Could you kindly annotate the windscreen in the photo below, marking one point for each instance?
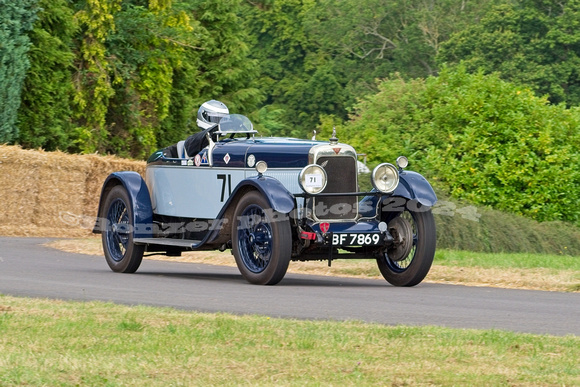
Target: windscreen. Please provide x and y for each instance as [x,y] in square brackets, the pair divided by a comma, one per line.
[236,123]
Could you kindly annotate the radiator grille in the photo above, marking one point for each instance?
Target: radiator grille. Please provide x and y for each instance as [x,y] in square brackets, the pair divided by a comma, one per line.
[342,177]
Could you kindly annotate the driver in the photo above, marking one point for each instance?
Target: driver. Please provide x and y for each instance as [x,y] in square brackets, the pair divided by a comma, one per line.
[208,116]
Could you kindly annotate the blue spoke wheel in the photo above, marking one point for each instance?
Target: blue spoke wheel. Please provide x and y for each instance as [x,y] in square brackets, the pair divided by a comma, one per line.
[261,240]
[121,254]
[408,260]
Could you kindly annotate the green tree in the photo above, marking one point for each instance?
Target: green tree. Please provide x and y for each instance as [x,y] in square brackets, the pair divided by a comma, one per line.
[93,83]
[535,42]
[147,47]
[144,67]
[373,38]
[213,64]
[287,61]
[45,115]
[226,70]
[334,50]
[120,76]
[16,19]
[486,140]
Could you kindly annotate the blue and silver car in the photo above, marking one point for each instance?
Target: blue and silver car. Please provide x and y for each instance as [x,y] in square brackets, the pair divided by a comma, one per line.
[270,201]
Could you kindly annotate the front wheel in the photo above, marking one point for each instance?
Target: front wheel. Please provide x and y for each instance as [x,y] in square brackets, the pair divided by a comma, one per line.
[121,253]
[408,260]
[261,240]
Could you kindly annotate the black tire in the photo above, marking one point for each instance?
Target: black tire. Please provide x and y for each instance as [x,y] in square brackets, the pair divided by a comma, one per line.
[122,255]
[409,260]
[261,240]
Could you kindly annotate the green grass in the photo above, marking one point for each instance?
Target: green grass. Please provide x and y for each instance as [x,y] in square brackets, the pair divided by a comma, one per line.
[506,260]
[100,344]
[525,270]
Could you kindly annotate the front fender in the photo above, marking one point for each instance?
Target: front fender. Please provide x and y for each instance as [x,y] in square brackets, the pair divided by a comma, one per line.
[140,202]
[278,197]
[414,186]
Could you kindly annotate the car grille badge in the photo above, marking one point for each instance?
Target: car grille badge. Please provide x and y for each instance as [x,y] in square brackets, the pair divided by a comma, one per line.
[324,227]
[227,158]
[336,150]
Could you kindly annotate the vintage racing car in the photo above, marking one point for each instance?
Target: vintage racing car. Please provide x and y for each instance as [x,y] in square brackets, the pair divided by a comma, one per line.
[271,201]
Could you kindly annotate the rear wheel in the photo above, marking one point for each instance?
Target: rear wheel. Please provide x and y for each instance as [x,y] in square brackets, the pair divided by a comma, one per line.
[261,240]
[121,253]
[408,260]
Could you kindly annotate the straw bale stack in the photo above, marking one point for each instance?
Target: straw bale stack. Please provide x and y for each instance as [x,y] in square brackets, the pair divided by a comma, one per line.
[52,193]
[100,168]
[18,185]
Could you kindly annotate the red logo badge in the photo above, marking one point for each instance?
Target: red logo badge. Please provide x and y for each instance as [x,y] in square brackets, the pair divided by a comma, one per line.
[324,227]
[336,150]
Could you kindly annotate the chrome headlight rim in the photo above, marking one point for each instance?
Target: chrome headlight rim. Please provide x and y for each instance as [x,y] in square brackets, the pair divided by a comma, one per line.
[312,169]
[376,175]
[261,167]
[402,162]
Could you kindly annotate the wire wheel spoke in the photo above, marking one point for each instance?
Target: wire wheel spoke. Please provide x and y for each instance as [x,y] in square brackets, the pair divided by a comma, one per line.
[118,229]
[255,239]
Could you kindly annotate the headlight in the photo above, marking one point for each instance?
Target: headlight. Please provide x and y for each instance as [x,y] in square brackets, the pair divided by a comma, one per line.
[261,167]
[402,162]
[312,179]
[385,177]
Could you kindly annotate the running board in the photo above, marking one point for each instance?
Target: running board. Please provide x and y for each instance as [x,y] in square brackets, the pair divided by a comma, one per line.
[188,243]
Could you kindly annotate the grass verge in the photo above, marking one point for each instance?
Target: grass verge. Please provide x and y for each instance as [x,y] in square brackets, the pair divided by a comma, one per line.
[67,343]
[507,270]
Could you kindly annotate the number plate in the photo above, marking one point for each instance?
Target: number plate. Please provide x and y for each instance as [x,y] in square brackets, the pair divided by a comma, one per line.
[362,239]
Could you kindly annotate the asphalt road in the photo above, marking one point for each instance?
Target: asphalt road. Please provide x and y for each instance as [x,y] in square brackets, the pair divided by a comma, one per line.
[29,269]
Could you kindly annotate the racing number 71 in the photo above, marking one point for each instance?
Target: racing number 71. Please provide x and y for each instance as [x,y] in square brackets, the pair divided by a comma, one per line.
[226,180]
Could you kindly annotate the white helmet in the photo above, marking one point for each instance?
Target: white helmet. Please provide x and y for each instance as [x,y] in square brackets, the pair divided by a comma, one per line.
[210,113]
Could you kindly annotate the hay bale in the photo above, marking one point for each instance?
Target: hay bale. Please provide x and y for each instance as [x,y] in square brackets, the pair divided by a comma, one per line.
[19,184]
[53,194]
[100,168]
[62,180]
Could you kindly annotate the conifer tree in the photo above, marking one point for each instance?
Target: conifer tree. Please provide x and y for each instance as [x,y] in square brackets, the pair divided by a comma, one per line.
[16,19]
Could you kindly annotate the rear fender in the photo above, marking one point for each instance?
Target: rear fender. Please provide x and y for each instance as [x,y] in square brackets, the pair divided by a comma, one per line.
[140,202]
